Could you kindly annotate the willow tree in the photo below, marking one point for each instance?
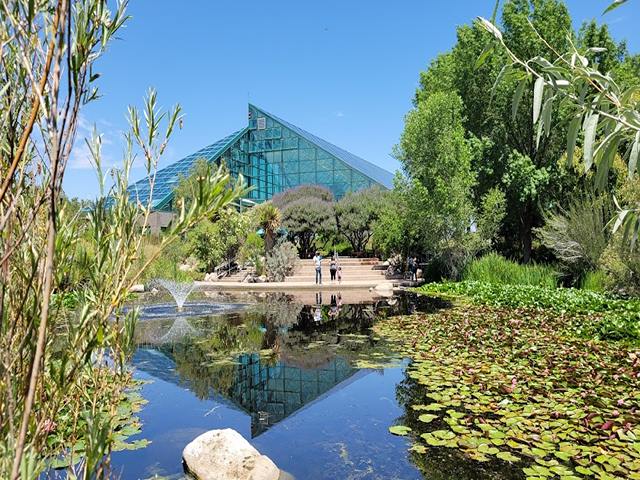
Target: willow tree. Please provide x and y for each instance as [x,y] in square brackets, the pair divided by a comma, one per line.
[58,394]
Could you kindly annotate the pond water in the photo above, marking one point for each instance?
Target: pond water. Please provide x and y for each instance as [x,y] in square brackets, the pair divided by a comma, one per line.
[293,374]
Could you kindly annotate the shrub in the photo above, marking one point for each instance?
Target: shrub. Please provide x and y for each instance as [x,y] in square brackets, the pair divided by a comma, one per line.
[252,251]
[281,261]
[215,242]
[578,235]
[493,268]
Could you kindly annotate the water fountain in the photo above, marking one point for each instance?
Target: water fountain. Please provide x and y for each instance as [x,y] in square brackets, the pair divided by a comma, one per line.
[180,291]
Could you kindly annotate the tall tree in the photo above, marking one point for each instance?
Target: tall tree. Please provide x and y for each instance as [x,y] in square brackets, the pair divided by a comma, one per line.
[435,195]
[507,154]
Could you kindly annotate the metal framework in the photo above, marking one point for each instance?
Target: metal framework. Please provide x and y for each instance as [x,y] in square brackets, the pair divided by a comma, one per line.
[273,155]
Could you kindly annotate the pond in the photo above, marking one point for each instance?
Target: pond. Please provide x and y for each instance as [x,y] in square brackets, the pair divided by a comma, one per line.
[302,377]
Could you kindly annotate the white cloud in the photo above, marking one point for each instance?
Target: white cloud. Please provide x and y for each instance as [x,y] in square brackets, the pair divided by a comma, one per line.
[81,158]
[339,114]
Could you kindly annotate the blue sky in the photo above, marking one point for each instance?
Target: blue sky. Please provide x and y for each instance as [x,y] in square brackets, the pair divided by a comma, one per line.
[343,70]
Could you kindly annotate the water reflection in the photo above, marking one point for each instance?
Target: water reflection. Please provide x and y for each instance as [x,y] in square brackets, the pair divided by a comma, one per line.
[270,360]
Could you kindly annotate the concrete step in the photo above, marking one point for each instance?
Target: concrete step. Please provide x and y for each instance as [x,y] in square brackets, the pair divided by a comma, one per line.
[342,261]
[378,278]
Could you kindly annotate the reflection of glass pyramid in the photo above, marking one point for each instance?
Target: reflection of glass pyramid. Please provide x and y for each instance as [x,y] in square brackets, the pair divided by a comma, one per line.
[271,393]
[268,392]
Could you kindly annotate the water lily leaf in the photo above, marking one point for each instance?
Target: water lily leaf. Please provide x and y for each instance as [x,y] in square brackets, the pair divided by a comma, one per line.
[400,430]
[507,457]
[427,417]
[418,448]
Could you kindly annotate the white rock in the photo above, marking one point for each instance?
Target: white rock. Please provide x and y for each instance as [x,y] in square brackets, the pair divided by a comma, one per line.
[226,455]
[138,288]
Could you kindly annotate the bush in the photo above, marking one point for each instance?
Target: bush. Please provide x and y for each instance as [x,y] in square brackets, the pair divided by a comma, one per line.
[213,243]
[492,268]
[578,235]
[281,261]
[252,251]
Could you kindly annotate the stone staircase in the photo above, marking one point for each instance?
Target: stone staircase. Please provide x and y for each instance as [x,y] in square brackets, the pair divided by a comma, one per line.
[353,270]
[368,270]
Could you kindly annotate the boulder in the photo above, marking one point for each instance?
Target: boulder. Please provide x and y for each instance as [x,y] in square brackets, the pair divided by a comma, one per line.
[226,455]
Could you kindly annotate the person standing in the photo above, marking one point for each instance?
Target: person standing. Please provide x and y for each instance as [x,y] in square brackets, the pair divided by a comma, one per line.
[317,260]
[333,268]
[414,269]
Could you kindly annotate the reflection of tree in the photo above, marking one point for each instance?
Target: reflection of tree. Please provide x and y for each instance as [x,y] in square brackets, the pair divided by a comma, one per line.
[207,363]
[278,310]
[440,463]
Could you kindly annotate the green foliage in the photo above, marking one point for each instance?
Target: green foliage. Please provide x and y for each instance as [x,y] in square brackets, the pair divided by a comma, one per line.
[187,188]
[578,235]
[253,251]
[218,241]
[492,268]
[512,153]
[66,338]
[517,391]
[585,98]
[281,261]
[167,265]
[357,213]
[307,214]
[596,281]
[267,217]
[430,212]
[614,318]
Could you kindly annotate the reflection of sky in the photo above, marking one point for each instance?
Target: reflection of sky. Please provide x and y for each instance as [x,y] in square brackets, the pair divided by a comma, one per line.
[341,435]
[313,413]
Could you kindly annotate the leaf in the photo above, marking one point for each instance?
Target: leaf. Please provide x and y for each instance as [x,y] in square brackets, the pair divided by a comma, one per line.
[633,157]
[427,417]
[606,160]
[538,90]
[507,457]
[486,51]
[590,126]
[517,96]
[571,139]
[490,27]
[546,115]
[399,430]
[614,5]
[499,78]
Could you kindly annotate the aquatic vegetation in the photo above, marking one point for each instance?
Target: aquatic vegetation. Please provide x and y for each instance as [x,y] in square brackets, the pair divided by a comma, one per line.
[616,318]
[517,388]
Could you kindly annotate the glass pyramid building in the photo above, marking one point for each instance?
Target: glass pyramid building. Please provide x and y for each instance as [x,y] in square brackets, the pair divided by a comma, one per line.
[273,155]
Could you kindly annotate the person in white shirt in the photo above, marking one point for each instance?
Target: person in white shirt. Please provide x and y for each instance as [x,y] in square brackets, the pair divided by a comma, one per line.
[317,260]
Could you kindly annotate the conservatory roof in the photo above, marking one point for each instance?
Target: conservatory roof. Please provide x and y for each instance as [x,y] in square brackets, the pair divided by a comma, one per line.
[167,178]
[372,171]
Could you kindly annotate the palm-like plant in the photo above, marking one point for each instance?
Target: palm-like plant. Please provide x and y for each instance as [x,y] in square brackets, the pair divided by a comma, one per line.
[269,218]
